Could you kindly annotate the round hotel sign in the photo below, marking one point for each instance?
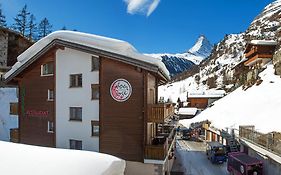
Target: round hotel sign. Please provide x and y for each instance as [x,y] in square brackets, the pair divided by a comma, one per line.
[120,90]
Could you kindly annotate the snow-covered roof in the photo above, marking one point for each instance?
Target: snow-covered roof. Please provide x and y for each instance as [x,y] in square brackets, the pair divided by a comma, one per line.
[262,151]
[25,160]
[110,45]
[207,94]
[187,111]
[264,42]
[258,106]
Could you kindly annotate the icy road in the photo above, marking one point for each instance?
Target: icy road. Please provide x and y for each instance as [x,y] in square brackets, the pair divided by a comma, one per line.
[194,160]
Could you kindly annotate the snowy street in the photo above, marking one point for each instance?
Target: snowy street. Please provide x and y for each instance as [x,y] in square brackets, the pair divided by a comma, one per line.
[194,160]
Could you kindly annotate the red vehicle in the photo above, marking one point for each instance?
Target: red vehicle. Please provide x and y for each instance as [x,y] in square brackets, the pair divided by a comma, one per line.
[242,164]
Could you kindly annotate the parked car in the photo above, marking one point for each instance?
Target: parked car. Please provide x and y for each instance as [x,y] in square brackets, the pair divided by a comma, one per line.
[216,152]
[186,133]
[242,164]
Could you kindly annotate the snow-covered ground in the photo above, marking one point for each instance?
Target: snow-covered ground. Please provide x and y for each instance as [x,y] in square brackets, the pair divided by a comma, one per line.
[20,159]
[258,105]
[7,121]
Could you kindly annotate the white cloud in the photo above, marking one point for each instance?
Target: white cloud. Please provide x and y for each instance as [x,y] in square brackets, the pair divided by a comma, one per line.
[141,6]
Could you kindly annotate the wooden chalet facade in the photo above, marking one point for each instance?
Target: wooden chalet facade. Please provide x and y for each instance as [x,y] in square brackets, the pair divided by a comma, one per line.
[202,100]
[81,91]
[258,53]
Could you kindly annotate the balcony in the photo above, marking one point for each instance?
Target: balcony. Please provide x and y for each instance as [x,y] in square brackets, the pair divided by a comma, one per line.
[162,146]
[157,113]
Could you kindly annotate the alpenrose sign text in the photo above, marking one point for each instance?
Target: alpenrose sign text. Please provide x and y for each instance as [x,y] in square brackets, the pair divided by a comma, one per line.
[120,90]
[35,113]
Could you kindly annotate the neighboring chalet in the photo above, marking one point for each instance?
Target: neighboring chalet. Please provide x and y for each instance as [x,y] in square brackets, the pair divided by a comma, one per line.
[12,44]
[202,100]
[240,73]
[87,92]
[258,53]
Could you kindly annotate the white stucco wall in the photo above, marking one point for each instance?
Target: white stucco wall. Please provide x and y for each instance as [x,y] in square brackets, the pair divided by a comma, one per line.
[68,62]
[7,121]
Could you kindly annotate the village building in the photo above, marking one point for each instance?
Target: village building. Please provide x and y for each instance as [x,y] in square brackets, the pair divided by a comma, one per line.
[202,100]
[87,92]
[12,44]
[258,53]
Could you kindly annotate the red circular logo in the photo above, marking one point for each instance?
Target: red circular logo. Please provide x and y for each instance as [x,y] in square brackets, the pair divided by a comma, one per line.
[120,90]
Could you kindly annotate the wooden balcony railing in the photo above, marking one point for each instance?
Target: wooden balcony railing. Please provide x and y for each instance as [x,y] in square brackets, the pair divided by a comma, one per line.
[159,112]
[160,151]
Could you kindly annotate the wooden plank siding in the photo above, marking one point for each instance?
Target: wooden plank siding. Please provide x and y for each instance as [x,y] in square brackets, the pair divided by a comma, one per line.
[198,102]
[33,90]
[121,123]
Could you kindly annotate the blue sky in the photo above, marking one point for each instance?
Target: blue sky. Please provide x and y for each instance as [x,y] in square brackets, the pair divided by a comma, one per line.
[152,26]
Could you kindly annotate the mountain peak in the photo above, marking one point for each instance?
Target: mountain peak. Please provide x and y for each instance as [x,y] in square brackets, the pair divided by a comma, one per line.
[202,47]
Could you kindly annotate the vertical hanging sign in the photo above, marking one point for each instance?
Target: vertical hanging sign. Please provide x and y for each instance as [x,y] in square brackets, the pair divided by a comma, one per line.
[120,90]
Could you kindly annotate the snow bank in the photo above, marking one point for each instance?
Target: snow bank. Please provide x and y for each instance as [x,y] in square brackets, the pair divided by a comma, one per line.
[89,40]
[259,106]
[20,159]
[7,121]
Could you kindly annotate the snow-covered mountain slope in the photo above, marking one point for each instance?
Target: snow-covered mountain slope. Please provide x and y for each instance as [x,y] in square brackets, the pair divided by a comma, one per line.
[7,121]
[180,62]
[258,105]
[216,71]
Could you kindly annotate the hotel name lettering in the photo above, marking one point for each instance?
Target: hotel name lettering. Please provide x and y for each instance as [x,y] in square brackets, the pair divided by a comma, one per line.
[36,113]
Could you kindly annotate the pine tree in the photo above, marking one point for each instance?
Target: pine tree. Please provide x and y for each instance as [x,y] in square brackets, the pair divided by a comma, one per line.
[2,18]
[63,28]
[31,27]
[21,21]
[44,28]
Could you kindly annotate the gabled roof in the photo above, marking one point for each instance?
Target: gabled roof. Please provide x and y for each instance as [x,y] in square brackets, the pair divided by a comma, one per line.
[260,43]
[116,49]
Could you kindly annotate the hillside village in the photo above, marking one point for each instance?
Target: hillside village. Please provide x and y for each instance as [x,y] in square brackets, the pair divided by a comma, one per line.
[126,112]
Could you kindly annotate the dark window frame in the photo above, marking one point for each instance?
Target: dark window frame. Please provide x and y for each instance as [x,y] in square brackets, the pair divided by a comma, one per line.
[95,126]
[75,144]
[95,91]
[95,63]
[74,113]
[76,80]
[14,108]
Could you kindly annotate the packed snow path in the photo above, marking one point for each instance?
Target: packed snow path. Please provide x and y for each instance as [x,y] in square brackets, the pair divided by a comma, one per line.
[193,157]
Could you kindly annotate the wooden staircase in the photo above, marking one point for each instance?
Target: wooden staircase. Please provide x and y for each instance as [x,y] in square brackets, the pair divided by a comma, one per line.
[232,143]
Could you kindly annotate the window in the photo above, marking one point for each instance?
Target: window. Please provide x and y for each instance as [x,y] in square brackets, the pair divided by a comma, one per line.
[75,113]
[13,108]
[76,80]
[95,128]
[50,95]
[47,69]
[95,91]
[75,144]
[95,63]
[50,127]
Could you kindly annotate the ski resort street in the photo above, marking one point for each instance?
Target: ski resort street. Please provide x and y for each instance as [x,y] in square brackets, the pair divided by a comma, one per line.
[194,160]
